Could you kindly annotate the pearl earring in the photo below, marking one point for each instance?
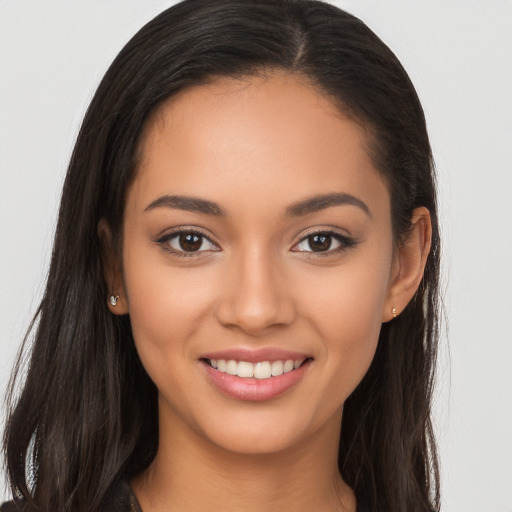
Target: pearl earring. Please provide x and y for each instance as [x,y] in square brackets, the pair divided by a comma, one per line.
[393,312]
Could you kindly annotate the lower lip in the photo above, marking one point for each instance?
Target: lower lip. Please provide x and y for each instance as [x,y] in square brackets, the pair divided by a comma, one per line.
[255,390]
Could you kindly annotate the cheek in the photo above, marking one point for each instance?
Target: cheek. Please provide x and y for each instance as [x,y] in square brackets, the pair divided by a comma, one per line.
[167,307]
[149,298]
[345,310]
[349,297]
[166,304]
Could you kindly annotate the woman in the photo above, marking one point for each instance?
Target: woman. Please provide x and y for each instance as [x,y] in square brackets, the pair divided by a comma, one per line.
[243,294]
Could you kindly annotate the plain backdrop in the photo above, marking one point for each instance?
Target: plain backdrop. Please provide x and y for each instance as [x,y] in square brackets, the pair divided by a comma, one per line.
[458,54]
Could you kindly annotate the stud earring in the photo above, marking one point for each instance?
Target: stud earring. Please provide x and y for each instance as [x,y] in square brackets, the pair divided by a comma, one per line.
[393,312]
[113,300]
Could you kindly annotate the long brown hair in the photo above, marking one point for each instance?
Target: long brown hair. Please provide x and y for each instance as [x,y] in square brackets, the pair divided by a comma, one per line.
[86,415]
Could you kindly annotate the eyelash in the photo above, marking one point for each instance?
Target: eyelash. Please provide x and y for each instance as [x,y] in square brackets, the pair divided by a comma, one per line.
[345,242]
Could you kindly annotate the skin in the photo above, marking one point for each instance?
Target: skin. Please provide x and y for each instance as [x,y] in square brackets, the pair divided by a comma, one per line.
[255,147]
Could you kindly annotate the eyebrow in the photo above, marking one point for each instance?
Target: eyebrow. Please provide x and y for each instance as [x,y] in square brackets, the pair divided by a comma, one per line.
[320,202]
[190,204]
[303,207]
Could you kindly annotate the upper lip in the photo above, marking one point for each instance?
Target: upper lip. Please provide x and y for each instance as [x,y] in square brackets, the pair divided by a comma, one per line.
[256,355]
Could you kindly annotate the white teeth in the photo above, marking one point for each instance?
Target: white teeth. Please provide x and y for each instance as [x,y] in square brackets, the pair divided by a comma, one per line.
[245,369]
[231,367]
[260,370]
[277,368]
[288,366]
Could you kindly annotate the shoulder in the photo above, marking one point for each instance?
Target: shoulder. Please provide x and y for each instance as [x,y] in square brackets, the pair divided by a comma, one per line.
[10,506]
[119,499]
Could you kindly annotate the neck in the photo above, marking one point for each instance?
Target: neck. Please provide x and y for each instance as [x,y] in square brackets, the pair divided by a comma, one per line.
[190,474]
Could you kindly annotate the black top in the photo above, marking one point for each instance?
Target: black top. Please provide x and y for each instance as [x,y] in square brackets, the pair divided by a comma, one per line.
[119,499]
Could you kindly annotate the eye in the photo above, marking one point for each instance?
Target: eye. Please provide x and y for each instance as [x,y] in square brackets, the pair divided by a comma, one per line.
[187,242]
[323,242]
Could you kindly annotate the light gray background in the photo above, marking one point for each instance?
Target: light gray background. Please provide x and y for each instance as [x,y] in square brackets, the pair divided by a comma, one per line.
[458,54]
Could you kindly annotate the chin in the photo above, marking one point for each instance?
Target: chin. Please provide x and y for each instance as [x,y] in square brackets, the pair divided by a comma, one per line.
[268,432]
[256,441]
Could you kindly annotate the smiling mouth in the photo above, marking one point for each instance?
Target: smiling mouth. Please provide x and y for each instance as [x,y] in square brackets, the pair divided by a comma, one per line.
[259,370]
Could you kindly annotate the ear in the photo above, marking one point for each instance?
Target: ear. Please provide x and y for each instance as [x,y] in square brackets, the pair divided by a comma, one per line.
[112,271]
[409,264]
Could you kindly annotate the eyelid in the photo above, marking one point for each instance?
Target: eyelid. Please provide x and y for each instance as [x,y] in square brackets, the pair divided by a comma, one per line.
[334,230]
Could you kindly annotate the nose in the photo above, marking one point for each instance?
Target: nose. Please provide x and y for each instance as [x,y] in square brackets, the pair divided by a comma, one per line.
[257,296]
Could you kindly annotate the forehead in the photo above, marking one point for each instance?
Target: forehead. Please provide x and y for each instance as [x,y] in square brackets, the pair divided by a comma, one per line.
[276,136]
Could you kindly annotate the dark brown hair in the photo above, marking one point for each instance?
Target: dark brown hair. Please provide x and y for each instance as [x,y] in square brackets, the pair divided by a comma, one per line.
[86,414]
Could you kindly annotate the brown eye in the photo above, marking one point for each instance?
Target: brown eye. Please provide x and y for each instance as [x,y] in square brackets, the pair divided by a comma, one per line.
[190,242]
[320,242]
[187,242]
[324,242]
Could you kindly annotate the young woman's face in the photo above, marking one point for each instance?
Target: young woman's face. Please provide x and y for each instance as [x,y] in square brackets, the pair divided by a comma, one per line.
[257,238]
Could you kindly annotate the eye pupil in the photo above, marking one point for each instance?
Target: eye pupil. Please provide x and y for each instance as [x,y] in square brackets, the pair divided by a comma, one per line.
[320,242]
[190,242]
